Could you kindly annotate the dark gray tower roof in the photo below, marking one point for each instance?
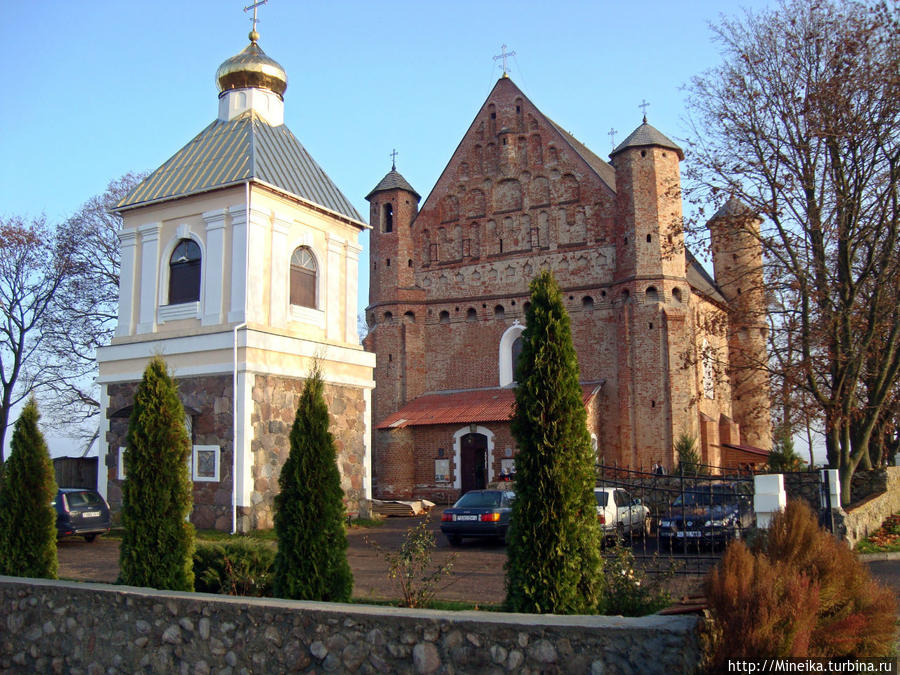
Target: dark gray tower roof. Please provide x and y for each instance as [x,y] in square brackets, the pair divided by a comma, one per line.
[393,181]
[646,135]
[733,208]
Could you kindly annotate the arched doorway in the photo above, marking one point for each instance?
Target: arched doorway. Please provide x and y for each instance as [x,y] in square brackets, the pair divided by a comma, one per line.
[473,462]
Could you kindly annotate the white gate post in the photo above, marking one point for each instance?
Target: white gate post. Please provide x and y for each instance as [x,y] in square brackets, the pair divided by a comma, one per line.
[769,497]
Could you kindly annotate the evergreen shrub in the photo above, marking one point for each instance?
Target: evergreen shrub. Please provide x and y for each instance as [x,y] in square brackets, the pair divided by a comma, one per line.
[689,462]
[157,543]
[797,592]
[27,517]
[554,563]
[311,563]
[235,567]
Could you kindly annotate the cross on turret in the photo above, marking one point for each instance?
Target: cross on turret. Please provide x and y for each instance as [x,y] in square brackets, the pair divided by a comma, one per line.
[643,106]
[394,159]
[254,6]
[612,137]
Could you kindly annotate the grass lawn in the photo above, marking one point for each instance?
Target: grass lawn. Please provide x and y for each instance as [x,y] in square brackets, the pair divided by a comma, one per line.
[884,540]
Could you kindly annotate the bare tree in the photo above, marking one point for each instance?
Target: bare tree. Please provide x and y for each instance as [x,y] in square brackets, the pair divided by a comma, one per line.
[85,309]
[34,263]
[800,123]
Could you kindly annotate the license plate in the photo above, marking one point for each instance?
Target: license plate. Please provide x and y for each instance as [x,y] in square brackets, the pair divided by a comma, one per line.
[90,514]
[466,517]
[690,534]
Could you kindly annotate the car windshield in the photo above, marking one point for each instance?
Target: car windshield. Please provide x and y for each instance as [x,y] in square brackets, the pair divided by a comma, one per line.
[477,500]
[602,498]
[706,498]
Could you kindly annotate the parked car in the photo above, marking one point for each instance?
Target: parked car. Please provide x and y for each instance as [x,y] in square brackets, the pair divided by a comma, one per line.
[478,513]
[709,514]
[620,514]
[80,512]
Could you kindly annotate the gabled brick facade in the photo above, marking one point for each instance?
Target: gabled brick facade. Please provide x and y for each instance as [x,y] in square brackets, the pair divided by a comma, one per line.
[449,285]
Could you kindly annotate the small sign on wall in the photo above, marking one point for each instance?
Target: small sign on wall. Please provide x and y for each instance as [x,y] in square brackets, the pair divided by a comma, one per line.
[507,467]
[442,471]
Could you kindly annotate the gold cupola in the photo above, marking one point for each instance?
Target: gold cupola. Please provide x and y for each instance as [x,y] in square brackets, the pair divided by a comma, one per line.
[251,69]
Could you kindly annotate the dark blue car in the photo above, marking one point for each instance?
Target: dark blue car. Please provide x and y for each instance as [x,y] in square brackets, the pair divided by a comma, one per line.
[478,513]
[80,513]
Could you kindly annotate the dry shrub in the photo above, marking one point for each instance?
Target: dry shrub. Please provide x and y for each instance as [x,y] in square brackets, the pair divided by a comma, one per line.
[799,593]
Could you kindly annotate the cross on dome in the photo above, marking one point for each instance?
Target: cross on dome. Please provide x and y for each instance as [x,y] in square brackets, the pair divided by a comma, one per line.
[254,36]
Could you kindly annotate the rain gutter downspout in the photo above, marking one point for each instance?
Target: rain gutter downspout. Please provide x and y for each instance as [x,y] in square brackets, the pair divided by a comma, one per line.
[234,384]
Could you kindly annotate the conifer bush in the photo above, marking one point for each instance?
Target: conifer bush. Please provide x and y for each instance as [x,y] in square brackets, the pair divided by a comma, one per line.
[689,462]
[311,563]
[157,543]
[27,518]
[797,592]
[554,563]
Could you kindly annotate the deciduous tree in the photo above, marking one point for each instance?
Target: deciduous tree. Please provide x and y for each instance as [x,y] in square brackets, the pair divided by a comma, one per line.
[800,123]
[554,563]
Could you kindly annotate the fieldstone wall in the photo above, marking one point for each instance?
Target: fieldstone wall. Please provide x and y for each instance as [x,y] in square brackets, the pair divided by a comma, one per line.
[210,401]
[861,519]
[275,402]
[55,626]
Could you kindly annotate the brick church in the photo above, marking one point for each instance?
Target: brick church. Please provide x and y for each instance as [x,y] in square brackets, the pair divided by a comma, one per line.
[663,347]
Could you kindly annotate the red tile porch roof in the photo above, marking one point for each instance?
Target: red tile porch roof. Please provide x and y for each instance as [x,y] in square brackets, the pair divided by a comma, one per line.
[465,407]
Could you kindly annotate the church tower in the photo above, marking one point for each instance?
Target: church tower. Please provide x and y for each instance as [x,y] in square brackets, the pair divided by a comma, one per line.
[738,265]
[395,317]
[651,298]
[239,267]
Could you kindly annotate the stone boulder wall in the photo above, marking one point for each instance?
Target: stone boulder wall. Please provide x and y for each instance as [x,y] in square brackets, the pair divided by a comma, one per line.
[56,626]
[863,518]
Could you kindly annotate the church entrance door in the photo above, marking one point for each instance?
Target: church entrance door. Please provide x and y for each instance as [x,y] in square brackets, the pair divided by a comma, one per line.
[473,458]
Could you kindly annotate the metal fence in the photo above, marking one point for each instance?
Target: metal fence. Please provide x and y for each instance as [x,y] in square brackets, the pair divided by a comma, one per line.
[686,518]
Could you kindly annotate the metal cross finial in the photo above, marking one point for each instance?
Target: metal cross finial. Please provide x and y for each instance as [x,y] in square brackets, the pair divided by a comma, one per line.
[643,106]
[394,159]
[612,137]
[502,56]
[255,20]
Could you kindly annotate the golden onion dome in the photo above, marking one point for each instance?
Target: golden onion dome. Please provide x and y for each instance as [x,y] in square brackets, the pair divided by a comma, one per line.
[252,68]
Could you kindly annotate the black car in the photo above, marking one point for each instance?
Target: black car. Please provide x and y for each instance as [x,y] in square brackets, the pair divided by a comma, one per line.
[80,512]
[708,514]
[478,513]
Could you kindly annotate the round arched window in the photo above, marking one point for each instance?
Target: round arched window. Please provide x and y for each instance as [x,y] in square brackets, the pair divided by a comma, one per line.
[303,277]
[184,273]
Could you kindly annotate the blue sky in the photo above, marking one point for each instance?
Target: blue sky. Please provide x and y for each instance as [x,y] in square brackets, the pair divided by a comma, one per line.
[96,89]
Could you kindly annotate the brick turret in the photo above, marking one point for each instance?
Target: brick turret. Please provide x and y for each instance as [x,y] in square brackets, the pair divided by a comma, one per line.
[737,261]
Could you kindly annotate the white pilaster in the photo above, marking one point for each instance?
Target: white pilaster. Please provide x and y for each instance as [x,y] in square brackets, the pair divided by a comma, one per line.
[279,282]
[334,270]
[127,247]
[149,235]
[244,437]
[213,267]
[237,311]
[352,290]
[257,272]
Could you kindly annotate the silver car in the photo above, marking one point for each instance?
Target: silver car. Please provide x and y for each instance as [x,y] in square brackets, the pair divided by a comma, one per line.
[620,514]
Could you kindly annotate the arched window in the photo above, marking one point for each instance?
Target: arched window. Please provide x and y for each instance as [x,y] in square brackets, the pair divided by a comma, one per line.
[303,277]
[587,303]
[184,273]
[444,316]
[510,349]
[388,219]
[499,312]
[652,295]
[471,314]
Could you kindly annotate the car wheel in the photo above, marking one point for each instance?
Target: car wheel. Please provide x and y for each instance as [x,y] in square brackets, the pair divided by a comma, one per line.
[90,537]
[454,539]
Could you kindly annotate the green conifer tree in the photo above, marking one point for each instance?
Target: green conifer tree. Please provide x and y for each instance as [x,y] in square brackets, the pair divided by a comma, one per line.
[158,543]
[782,457]
[554,563]
[311,563]
[27,517]
[689,463]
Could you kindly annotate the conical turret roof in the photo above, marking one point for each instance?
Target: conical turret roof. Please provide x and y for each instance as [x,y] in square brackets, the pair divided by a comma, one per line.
[393,181]
[645,135]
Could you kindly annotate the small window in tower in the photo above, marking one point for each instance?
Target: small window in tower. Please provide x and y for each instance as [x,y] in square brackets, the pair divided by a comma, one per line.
[304,272]
[409,263]
[650,325]
[739,291]
[652,295]
[602,294]
[471,314]
[643,153]
[518,108]
[676,293]
[184,273]
[499,312]
[649,239]
[444,316]
[526,306]
[388,220]
[626,241]
[625,294]
[652,404]
[587,303]
[504,140]
[387,262]
[390,358]
[493,115]
[388,317]
[410,316]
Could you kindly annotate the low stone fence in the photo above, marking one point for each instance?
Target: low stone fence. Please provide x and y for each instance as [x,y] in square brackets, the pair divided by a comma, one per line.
[861,519]
[57,626]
